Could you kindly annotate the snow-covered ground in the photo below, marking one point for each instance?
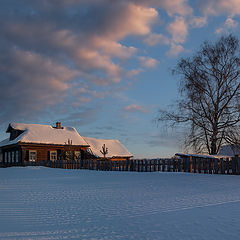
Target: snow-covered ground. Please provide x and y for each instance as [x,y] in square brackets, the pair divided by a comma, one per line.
[43,203]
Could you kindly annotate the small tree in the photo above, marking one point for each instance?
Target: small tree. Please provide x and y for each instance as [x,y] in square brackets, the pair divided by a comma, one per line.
[104,151]
[210,96]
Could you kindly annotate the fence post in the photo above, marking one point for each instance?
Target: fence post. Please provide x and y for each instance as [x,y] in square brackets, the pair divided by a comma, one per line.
[97,163]
[163,165]
[114,165]
[185,164]
[130,165]
[194,163]
[210,165]
[199,165]
[168,165]
[174,164]
[110,165]
[222,166]
[103,165]
[238,164]
[138,167]
[216,166]
[204,165]
[158,165]
[154,165]
[234,165]
[227,165]
[179,164]
[190,164]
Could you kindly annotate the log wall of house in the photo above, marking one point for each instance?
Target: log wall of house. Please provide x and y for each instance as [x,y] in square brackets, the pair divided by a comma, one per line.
[43,151]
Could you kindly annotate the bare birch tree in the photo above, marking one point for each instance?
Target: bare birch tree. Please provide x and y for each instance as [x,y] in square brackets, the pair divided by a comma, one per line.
[209,96]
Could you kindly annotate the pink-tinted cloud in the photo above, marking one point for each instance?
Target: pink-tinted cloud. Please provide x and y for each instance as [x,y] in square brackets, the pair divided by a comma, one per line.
[148,62]
[134,72]
[136,108]
[178,29]
[175,50]
[217,7]
[229,25]
[31,83]
[53,49]
[180,7]
[173,7]
[154,39]
[198,22]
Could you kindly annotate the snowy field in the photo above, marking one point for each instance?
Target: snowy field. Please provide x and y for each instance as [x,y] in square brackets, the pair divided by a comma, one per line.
[43,203]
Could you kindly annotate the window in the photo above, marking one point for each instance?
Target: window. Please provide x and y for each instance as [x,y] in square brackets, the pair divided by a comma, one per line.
[53,155]
[32,155]
[69,155]
[16,156]
[1,156]
[77,155]
[5,157]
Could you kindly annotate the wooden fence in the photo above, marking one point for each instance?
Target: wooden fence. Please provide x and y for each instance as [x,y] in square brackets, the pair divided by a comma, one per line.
[179,164]
[186,164]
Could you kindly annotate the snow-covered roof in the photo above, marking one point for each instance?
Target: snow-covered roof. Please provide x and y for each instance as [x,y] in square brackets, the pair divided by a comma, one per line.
[201,155]
[229,150]
[115,148]
[44,134]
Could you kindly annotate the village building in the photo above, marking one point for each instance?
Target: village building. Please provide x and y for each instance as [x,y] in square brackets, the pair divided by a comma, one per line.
[37,143]
[115,150]
[230,150]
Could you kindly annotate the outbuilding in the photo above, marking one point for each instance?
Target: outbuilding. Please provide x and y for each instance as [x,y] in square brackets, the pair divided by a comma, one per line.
[114,149]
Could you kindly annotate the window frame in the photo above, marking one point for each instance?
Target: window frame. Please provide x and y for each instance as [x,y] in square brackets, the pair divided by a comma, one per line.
[77,155]
[51,156]
[29,157]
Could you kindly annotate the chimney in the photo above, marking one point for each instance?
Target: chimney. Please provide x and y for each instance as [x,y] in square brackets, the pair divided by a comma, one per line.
[58,125]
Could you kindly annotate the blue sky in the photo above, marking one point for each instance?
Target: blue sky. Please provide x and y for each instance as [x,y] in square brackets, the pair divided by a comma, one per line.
[103,66]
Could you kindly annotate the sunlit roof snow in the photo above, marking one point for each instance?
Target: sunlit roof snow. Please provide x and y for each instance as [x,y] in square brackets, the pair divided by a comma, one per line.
[115,148]
[45,134]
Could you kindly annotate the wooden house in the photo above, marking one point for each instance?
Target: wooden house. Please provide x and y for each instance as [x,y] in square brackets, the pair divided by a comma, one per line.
[36,142]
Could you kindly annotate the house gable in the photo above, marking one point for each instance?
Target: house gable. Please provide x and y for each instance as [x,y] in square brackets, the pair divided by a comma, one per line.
[14,133]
